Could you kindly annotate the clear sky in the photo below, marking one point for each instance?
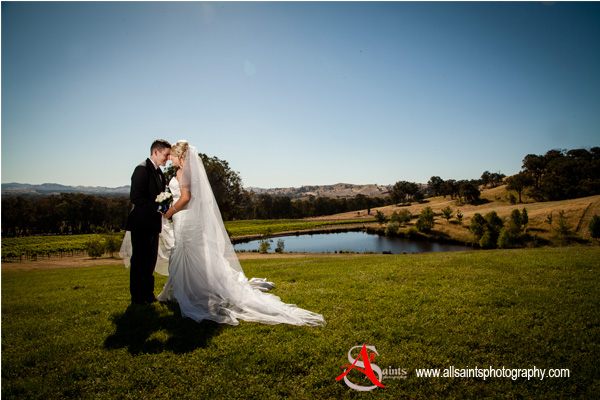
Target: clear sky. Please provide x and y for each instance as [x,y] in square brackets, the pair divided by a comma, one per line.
[293,94]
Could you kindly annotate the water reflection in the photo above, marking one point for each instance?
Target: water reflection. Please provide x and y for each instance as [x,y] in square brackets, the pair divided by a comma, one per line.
[360,242]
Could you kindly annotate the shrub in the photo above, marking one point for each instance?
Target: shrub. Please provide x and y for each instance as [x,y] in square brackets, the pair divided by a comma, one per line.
[112,244]
[280,246]
[95,247]
[494,221]
[401,217]
[486,230]
[380,217]
[459,216]
[425,222]
[524,218]
[487,241]
[392,229]
[478,226]
[508,238]
[412,233]
[562,228]
[512,234]
[447,213]
[265,246]
[515,221]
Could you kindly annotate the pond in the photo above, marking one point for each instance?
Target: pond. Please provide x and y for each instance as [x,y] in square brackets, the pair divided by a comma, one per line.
[359,242]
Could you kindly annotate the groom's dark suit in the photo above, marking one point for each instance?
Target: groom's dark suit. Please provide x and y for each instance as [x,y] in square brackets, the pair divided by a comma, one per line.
[145,224]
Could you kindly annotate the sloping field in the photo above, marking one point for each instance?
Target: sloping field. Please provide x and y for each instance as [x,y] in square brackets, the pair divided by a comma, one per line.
[578,212]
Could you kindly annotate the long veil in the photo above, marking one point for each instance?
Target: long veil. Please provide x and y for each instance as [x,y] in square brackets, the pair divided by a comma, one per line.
[202,215]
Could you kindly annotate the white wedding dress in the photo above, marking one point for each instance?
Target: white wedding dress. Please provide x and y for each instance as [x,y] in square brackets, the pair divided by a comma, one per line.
[205,276]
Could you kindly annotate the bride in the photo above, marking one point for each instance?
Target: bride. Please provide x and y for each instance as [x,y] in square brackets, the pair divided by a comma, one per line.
[205,276]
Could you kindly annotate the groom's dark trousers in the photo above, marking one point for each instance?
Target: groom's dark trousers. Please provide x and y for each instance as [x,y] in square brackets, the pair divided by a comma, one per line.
[144,223]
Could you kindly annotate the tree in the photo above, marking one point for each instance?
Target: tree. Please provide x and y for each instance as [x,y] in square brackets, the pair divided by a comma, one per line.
[425,223]
[226,185]
[17,216]
[496,178]
[447,213]
[459,216]
[519,182]
[280,246]
[397,194]
[469,192]
[478,226]
[112,244]
[401,217]
[511,234]
[265,246]
[404,191]
[486,229]
[95,247]
[562,174]
[516,221]
[563,228]
[391,229]
[435,185]
[535,166]
[524,218]
[450,188]
[485,178]
[380,217]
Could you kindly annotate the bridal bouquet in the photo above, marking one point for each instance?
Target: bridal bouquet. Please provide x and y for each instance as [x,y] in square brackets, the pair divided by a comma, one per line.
[164,200]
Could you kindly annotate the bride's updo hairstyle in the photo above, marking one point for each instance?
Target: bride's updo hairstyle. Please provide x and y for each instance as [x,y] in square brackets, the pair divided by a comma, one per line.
[180,149]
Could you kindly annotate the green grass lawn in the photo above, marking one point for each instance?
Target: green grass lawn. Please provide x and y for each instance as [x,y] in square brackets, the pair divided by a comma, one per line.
[72,333]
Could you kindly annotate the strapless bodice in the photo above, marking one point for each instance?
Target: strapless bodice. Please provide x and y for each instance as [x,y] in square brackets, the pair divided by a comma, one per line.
[175,190]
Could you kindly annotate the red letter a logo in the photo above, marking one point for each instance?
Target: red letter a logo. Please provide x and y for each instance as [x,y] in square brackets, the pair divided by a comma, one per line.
[368,370]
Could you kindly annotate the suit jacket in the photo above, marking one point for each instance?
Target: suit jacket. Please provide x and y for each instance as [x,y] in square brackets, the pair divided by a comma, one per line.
[147,182]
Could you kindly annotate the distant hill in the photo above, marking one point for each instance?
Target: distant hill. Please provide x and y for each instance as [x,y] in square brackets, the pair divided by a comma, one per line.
[339,190]
[55,188]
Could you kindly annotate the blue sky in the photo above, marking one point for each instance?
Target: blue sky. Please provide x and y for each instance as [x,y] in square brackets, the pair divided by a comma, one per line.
[295,94]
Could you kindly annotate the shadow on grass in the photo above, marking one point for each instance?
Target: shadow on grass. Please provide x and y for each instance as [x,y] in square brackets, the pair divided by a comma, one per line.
[149,330]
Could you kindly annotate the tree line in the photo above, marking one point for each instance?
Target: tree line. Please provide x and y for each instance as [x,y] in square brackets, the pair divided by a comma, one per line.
[557,175]
[265,206]
[66,213]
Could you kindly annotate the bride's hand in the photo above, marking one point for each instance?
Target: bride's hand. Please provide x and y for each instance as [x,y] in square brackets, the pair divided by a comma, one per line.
[169,213]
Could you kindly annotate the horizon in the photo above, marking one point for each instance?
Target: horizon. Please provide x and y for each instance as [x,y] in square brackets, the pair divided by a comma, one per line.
[296,94]
[245,187]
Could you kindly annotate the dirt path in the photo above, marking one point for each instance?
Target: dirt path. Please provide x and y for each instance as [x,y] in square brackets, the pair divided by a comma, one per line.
[591,210]
[84,261]
[59,262]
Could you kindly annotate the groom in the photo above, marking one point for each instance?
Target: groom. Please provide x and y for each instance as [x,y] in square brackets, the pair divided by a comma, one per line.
[145,222]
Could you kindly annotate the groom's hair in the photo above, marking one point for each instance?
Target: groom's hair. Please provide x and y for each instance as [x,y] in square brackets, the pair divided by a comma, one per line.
[160,145]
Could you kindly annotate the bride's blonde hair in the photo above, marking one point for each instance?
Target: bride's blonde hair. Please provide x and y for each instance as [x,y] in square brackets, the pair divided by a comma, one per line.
[180,149]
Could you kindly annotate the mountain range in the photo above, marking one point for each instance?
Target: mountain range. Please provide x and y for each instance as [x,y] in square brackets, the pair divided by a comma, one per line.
[339,190]
[55,188]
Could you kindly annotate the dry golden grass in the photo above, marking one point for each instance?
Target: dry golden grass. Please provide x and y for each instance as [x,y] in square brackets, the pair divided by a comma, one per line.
[577,211]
